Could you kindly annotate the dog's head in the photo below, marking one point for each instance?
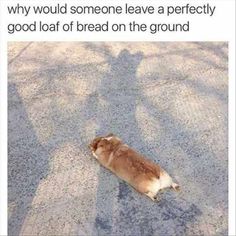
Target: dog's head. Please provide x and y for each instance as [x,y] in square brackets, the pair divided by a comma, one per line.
[106,143]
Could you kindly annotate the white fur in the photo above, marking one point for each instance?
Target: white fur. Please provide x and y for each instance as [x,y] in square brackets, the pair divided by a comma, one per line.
[165,181]
[110,159]
[108,139]
[154,186]
[94,154]
[98,151]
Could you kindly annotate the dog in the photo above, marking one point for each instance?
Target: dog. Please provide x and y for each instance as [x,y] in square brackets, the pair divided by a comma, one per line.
[145,176]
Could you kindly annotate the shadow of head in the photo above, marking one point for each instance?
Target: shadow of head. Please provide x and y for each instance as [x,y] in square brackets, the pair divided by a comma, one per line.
[126,62]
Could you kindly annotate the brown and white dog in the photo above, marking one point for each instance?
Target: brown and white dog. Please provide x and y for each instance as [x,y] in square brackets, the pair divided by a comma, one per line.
[145,176]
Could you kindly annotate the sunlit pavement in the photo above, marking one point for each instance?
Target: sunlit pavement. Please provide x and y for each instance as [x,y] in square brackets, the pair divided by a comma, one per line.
[166,100]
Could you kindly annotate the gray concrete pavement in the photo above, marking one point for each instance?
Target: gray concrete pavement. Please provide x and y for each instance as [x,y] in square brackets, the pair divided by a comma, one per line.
[166,100]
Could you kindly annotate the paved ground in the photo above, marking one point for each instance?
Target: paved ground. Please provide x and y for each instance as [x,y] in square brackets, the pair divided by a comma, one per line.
[167,100]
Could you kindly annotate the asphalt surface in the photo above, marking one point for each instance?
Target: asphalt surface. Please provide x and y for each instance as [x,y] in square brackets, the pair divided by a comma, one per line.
[166,100]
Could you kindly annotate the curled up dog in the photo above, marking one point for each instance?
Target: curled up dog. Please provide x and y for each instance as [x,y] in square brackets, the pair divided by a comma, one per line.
[142,174]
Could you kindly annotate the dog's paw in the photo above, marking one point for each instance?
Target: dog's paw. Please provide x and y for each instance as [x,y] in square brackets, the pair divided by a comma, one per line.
[176,187]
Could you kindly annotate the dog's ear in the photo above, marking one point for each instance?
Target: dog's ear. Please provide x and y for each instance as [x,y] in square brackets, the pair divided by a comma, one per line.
[94,143]
[109,135]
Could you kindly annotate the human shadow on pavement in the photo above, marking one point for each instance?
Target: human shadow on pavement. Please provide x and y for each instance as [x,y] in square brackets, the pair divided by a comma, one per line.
[27,161]
[119,90]
[130,213]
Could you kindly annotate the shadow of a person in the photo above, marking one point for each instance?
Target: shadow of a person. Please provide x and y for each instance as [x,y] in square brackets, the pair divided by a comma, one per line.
[120,90]
[119,213]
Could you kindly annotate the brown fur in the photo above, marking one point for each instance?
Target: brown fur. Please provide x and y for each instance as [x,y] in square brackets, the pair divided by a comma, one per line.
[125,162]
